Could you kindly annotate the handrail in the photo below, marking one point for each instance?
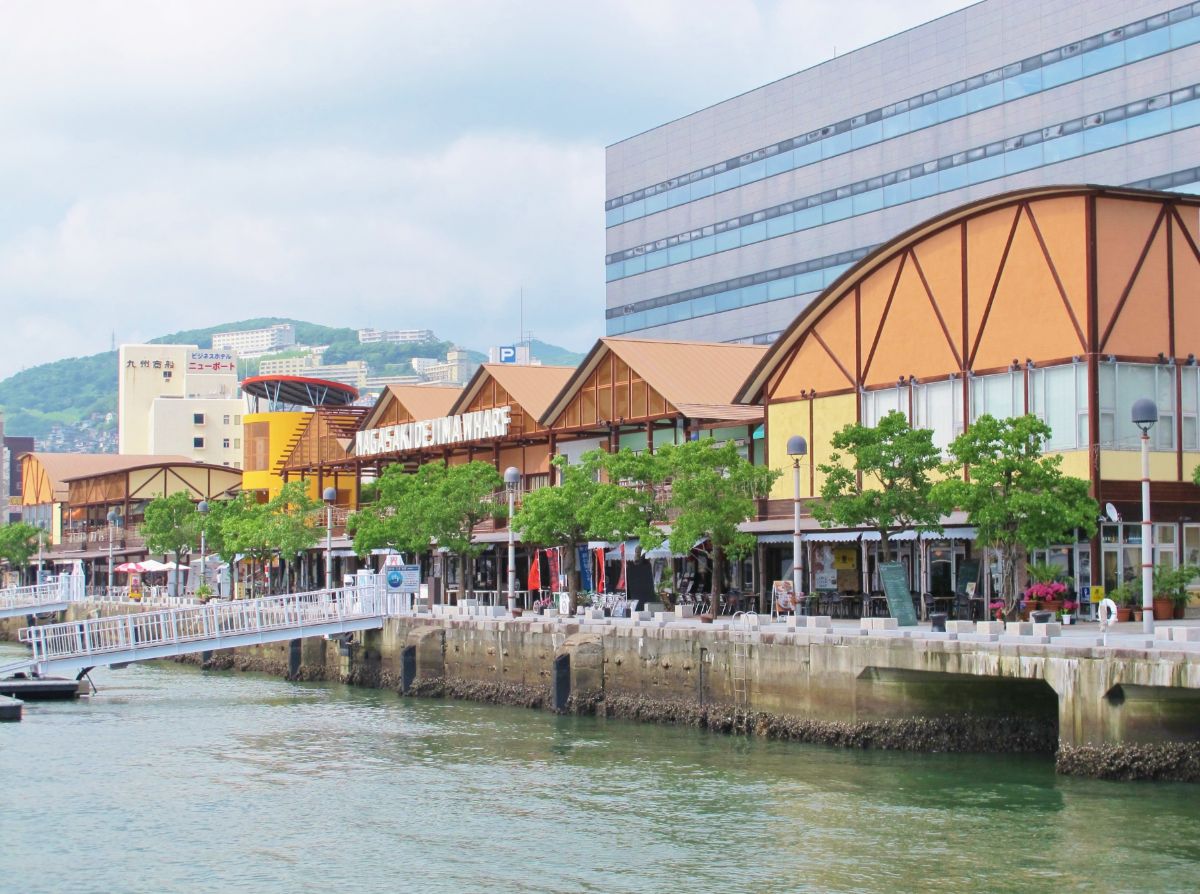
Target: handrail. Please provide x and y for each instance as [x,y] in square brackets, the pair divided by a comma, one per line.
[212,621]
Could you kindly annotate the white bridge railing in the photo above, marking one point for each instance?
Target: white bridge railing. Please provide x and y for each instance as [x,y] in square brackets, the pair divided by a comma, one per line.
[66,589]
[214,621]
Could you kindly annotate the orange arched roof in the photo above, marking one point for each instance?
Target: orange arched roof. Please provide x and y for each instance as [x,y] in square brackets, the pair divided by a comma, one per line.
[752,390]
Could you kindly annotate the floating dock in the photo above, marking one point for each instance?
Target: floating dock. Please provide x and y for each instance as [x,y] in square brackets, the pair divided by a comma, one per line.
[42,688]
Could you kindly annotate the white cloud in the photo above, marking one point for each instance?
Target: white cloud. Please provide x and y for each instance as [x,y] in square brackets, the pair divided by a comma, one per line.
[168,165]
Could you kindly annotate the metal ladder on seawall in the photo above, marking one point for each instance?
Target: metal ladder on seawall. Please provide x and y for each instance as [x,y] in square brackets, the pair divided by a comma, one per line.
[743,625]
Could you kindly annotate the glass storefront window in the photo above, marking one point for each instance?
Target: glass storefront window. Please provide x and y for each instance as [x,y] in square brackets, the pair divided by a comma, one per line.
[1123,383]
[998,395]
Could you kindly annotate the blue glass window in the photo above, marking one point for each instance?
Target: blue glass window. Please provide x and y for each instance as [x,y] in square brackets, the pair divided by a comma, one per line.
[678,253]
[921,187]
[806,218]
[705,304]
[1062,72]
[895,125]
[728,239]
[754,171]
[809,282]
[727,180]
[656,259]
[871,200]
[1185,32]
[702,188]
[986,96]
[896,193]
[1185,114]
[777,164]
[985,169]
[755,294]
[1105,136]
[923,116]
[1023,84]
[635,209]
[781,288]
[1149,44]
[730,300]
[705,245]
[952,107]
[952,178]
[1141,127]
[656,316]
[755,232]
[779,226]
[838,210]
[635,265]
[656,202]
[1070,146]
[867,134]
[614,271]
[679,312]
[614,216]
[1103,58]
[829,274]
[807,154]
[835,145]
[680,195]
[1023,159]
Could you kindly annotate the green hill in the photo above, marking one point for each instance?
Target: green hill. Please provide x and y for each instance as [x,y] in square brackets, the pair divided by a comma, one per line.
[71,404]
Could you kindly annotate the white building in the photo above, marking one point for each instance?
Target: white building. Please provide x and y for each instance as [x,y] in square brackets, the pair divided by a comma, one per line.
[456,369]
[173,400]
[395,336]
[253,342]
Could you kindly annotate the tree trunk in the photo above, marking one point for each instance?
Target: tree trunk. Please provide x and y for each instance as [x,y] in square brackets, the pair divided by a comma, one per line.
[1009,594]
[568,567]
[718,577]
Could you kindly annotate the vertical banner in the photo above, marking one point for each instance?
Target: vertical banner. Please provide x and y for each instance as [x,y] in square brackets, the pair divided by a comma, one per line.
[601,577]
[584,559]
[621,583]
[535,571]
[552,561]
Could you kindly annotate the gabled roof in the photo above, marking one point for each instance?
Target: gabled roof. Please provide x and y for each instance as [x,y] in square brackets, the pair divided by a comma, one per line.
[699,379]
[531,387]
[751,390]
[63,467]
[422,401]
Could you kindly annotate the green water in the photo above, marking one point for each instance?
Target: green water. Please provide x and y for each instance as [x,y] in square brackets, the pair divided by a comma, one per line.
[171,779]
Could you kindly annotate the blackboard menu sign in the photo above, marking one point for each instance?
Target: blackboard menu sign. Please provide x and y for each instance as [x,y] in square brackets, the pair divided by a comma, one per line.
[895,587]
[968,573]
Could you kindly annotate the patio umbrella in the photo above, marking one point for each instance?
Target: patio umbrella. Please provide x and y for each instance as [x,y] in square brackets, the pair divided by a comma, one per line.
[128,567]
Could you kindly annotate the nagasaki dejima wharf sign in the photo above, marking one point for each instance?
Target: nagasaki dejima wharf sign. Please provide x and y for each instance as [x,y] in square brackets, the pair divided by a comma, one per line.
[477,426]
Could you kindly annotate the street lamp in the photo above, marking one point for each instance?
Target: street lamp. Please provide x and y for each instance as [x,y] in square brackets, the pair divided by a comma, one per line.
[114,518]
[1145,414]
[202,508]
[797,448]
[512,477]
[329,496]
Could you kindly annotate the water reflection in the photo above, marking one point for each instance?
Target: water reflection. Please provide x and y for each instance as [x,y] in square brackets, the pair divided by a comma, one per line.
[174,779]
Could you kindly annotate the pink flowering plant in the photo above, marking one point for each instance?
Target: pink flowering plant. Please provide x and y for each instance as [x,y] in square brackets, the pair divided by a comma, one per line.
[1046,591]
[997,609]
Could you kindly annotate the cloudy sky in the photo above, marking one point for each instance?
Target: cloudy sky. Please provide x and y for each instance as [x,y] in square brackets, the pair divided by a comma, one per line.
[169,165]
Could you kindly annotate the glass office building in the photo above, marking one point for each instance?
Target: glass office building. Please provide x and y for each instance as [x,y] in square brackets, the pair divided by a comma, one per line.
[723,225]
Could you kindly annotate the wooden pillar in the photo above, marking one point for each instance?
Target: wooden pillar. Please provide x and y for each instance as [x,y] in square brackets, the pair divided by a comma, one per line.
[553,447]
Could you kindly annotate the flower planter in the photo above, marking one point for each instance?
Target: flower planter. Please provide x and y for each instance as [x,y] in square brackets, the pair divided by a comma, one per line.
[1068,619]
[1033,604]
[1124,613]
[1052,605]
[1164,609]
[1179,611]
[1137,613]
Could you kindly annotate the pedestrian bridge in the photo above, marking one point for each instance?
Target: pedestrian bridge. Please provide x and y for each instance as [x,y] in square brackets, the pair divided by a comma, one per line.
[142,636]
[54,597]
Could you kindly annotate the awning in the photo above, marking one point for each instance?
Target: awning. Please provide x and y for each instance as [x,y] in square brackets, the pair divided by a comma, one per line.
[833,536]
[614,554]
[948,534]
[775,538]
[661,552]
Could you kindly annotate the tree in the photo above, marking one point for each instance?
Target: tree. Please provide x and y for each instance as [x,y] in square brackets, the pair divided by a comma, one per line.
[887,485]
[393,520]
[214,525]
[713,490]
[18,541]
[1196,475]
[456,500]
[171,524]
[286,525]
[1016,496]
[582,507]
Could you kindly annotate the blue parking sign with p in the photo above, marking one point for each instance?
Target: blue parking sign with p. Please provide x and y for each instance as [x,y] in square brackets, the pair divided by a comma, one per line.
[508,354]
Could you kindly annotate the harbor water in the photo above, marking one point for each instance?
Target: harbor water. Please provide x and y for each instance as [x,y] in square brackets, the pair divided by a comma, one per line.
[174,779]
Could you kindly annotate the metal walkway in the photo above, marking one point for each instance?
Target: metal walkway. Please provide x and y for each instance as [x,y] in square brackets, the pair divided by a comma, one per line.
[119,639]
[18,601]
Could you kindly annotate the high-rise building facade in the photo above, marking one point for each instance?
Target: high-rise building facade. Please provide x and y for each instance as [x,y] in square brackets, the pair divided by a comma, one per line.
[724,224]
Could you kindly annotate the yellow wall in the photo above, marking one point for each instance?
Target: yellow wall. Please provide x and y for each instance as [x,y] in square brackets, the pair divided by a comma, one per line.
[829,414]
[1126,465]
[281,428]
[1075,463]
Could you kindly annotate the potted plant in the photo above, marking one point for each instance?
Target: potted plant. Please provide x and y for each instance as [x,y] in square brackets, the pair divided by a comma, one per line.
[1123,596]
[1067,615]
[1171,590]
[204,592]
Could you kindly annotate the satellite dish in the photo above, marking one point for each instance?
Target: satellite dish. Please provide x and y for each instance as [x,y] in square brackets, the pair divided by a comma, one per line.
[1111,511]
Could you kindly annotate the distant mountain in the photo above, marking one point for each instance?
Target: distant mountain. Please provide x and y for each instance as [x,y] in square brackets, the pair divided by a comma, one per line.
[71,404]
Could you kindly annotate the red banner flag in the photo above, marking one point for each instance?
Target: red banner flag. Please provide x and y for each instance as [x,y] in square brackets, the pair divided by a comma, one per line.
[552,561]
[601,583]
[535,571]
[621,582]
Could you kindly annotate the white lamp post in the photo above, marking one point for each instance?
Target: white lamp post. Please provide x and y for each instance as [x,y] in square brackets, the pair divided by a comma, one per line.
[797,448]
[512,477]
[202,508]
[114,518]
[1145,414]
[329,496]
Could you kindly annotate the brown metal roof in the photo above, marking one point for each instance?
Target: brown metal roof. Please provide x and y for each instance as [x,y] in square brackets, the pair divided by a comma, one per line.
[531,387]
[63,467]
[699,379]
[422,401]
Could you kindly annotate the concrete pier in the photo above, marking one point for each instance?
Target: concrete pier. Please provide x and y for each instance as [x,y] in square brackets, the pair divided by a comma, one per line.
[1127,708]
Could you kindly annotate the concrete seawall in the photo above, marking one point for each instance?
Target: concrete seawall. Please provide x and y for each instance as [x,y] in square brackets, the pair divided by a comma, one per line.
[1103,711]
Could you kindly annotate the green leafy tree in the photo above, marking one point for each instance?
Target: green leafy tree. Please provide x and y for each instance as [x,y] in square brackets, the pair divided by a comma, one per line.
[394,519]
[171,525]
[18,541]
[1196,475]
[457,499]
[885,481]
[713,490]
[583,506]
[287,525]
[1017,497]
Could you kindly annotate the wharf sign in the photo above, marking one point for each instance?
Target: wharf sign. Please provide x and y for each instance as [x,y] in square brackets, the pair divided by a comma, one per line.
[440,432]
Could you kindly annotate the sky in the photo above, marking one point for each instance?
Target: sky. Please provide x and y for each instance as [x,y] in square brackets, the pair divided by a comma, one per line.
[173,165]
